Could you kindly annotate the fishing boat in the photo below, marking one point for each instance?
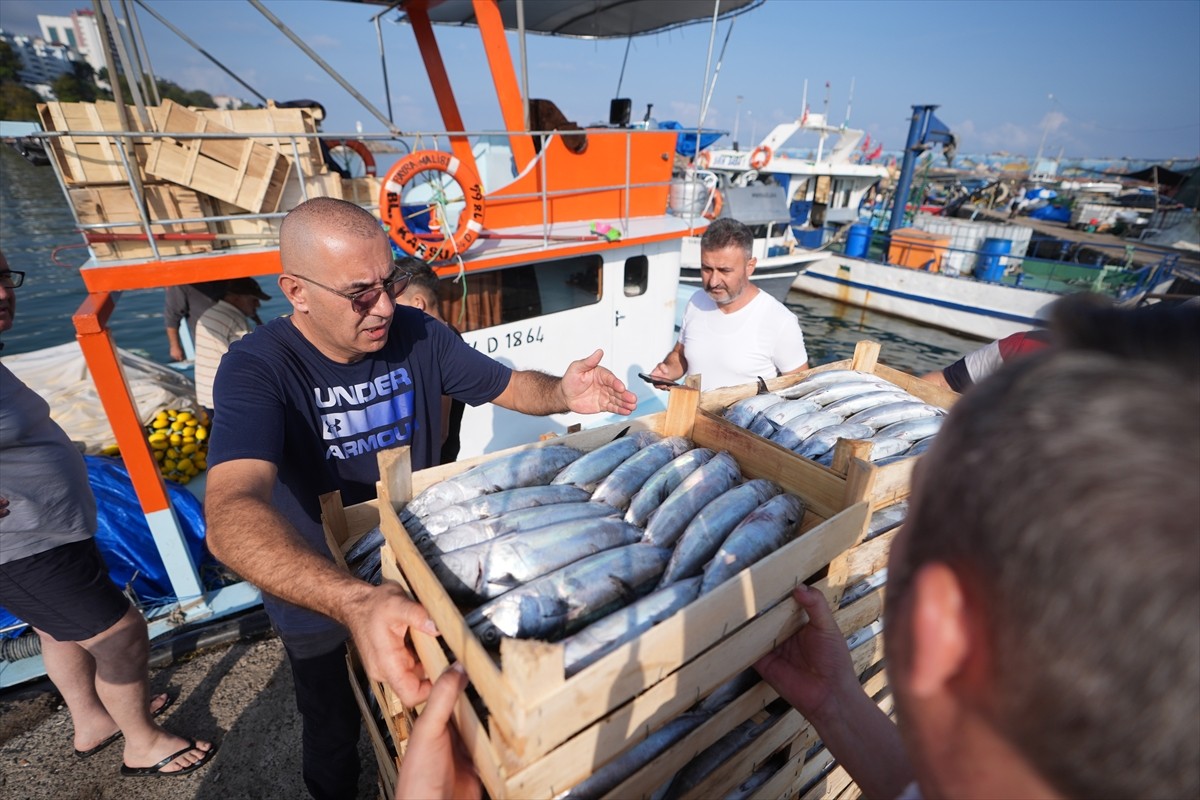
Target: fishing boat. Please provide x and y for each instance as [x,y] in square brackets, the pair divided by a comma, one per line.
[791,198]
[986,279]
[548,230]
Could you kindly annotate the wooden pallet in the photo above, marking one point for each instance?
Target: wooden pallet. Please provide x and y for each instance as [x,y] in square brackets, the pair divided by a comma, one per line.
[92,159]
[96,204]
[261,122]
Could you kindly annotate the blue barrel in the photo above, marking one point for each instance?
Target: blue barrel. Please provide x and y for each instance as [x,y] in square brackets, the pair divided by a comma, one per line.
[990,267]
[799,211]
[858,241]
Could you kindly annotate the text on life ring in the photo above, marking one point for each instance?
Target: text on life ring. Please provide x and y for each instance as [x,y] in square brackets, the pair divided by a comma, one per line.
[470,222]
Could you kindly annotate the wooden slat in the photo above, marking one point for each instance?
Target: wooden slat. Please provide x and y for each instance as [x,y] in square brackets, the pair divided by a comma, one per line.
[869,557]
[742,764]
[866,356]
[383,755]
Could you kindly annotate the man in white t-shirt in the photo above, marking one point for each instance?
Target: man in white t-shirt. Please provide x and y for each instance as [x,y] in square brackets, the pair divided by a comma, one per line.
[220,326]
[732,331]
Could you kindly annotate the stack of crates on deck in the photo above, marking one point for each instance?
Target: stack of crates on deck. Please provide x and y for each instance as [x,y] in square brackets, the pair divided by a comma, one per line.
[254,167]
[534,732]
[968,235]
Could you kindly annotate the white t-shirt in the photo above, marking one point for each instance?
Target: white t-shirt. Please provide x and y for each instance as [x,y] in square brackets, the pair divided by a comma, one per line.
[762,339]
[217,328]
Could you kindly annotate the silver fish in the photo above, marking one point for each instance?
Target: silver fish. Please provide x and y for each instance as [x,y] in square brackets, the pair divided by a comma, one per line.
[369,565]
[849,406]
[885,447]
[371,540]
[914,430]
[523,468]
[741,412]
[587,471]
[864,634]
[660,485]
[705,533]
[491,505]
[716,754]
[619,487]
[566,600]
[605,635]
[489,569]
[793,432]
[792,408]
[916,450]
[891,413]
[885,519]
[694,493]
[524,519]
[746,789]
[761,426]
[819,379]
[864,587]
[764,531]
[825,439]
[837,392]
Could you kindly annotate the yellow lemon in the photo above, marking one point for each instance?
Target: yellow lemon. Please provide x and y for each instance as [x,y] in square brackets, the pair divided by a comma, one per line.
[110,450]
[176,438]
[188,449]
[183,479]
[158,437]
[189,440]
[185,415]
[183,465]
[168,465]
[159,422]
[159,444]
[159,455]
[201,434]
[178,425]
[189,430]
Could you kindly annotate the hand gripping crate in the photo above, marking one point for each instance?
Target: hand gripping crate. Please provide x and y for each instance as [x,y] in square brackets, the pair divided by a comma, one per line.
[545,732]
[850,478]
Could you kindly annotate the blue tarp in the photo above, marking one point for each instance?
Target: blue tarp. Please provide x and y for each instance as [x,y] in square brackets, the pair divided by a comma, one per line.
[1052,213]
[685,145]
[123,535]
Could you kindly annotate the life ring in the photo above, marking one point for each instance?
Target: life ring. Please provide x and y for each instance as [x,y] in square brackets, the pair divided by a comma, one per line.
[359,148]
[704,159]
[714,210]
[470,221]
[760,157]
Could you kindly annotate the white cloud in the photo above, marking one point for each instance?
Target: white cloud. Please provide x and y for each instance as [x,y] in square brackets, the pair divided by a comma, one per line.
[1053,121]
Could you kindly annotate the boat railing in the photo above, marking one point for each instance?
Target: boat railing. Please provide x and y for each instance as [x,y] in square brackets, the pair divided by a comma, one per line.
[295,145]
[1117,274]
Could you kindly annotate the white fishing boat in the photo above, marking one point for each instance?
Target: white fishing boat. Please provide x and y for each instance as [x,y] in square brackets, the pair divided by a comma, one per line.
[557,237]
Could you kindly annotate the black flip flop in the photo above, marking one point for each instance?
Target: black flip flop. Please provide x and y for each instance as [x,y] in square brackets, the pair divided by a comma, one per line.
[156,770]
[91,751]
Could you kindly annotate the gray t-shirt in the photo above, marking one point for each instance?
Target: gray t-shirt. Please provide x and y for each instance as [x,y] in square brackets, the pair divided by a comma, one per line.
[42,474]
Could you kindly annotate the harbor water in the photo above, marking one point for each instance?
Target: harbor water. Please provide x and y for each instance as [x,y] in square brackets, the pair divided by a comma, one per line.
[35,221]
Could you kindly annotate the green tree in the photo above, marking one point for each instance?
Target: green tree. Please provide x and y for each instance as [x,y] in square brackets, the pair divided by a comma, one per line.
[76,86]
[10,63]
[18,102]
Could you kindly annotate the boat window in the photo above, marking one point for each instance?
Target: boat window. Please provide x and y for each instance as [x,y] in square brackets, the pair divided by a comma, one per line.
[513,294]
[637,274]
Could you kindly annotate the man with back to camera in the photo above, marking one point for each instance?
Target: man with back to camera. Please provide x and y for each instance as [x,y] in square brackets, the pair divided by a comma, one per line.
[733,332]
[188,302]
[422,293]
[220,326]
[305,405]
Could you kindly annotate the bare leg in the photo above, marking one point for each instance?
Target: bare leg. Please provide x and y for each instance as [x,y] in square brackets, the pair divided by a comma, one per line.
[73,671]
[120,655]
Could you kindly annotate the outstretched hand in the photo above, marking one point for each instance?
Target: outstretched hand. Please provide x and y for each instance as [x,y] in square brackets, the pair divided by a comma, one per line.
[435,765]
[379,623]
[812,670]
[589,388]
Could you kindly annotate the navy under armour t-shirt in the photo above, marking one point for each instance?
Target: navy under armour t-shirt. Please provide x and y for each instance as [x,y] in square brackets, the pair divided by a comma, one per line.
[322,423]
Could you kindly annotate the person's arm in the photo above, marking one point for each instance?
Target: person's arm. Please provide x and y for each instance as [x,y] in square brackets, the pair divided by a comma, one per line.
[798,369]
[813,671]
[673,366]
[586,388]
[174,345]
[937,378]
[174,310]
[254,540]
[435,765]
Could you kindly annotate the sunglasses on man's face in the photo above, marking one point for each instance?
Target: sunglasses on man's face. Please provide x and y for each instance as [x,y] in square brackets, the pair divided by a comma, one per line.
[364,300]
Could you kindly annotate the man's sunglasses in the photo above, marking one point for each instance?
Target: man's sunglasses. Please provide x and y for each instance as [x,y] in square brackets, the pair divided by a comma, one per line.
[365,299]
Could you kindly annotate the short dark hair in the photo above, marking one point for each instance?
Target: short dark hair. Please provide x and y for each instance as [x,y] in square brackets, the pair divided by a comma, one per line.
[1062,491]
[725,232]
[424,279]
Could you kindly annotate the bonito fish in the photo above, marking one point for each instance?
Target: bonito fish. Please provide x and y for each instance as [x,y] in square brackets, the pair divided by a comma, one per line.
[914,430]
[819,379]
[566,600]
[849,406]
[605,635]
[619,488]
[765,530]
[792,408]
[660,485]
[825,439]
[741,412]
[885,447]
[523,468]
[793,432]
[694,493]
[837,392]
[891,413]
[492,505]
[705,533]
[590,469]
[524,519]
[483,571]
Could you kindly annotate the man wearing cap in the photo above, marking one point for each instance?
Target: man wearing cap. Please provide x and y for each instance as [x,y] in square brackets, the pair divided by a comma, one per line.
[227,321]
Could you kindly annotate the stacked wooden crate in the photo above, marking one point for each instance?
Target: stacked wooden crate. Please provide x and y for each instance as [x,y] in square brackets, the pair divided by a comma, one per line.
[542,732]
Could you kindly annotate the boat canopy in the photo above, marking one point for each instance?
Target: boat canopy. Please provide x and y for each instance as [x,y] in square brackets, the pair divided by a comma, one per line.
[586,19]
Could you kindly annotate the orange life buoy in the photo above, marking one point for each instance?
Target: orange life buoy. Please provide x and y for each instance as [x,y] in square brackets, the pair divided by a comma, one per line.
[760,157]
[359,148]
[470,222]
[714,209]
[704,159]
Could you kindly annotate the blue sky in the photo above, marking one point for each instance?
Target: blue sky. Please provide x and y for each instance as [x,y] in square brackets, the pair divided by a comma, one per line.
[1096,78]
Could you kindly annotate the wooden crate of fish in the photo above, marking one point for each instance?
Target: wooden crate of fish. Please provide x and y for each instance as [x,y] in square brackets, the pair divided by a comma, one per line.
[853,425]
[554,717]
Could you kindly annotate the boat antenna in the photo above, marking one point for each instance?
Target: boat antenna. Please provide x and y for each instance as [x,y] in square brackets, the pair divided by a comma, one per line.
[201,50]
[624,60]
[849,103]
[825,106]
[387,89]
[525,67]
[320,62]
[804,103]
